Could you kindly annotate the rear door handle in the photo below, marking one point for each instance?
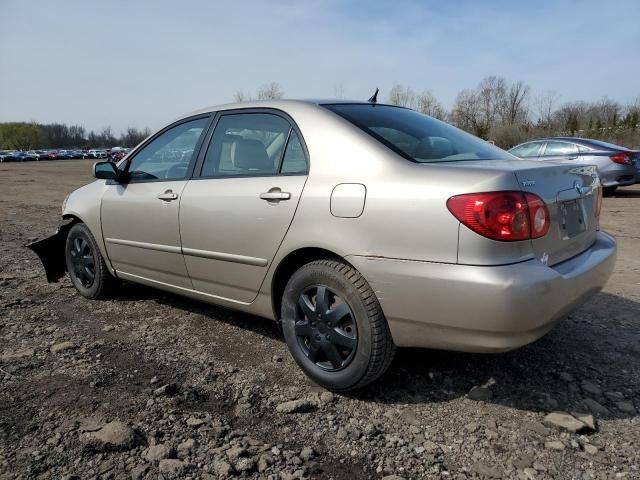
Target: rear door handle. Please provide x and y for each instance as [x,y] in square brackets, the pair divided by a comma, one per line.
[168,196]
[275,195]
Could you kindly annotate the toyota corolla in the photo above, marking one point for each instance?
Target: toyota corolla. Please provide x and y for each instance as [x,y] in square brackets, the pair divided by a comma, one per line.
[358,227]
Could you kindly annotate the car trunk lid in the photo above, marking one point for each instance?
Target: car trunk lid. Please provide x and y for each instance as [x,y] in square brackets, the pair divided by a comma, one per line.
[570,193]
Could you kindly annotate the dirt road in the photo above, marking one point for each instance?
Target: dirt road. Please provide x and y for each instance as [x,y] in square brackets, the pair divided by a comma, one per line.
[151,385]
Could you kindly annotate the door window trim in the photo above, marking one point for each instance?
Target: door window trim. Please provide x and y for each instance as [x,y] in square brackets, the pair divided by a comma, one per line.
[544,152]
[206,144]
[194,158]
[538,153]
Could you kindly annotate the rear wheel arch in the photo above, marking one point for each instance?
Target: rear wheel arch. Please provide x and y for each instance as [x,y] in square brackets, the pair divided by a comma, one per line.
[292,262]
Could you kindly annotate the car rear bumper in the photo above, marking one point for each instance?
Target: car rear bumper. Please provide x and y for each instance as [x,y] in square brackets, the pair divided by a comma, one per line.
[483,308]
[616,175]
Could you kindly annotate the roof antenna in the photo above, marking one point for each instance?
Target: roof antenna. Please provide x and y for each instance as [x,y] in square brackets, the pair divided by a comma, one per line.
[374,97]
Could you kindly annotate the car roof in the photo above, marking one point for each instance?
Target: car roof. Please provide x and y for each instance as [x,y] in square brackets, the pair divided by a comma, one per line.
[282,104]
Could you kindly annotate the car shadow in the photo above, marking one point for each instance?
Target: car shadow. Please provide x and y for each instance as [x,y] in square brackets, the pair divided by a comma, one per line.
[246,321]
[593,354]
[597,346]
[625,193]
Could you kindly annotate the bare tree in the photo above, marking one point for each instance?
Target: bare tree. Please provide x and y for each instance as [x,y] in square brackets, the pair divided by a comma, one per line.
[241,96]
[402,96]
[429,105]
[516,108]
[609,112]
[546,104]
[270,91]
[466,112]
[492,93]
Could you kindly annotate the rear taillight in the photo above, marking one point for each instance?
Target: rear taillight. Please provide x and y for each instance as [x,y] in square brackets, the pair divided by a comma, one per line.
[504,216]
[622,158]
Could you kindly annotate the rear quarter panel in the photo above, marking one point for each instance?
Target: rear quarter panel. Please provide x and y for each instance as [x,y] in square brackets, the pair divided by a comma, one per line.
[405,214]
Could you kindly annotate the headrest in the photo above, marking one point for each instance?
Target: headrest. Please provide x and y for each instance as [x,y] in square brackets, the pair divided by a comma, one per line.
[434,147]
[251,155]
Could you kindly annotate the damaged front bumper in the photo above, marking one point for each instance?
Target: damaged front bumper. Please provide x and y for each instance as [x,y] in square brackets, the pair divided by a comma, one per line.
[50,250]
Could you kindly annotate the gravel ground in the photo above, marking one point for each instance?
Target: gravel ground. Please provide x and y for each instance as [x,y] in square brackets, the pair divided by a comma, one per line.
[151,385]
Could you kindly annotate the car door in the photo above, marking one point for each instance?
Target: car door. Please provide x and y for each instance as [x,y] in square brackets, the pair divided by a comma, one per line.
[560,151]
[234,215]
[140,214]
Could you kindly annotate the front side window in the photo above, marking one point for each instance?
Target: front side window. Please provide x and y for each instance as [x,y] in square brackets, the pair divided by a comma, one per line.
[416,136]
[246,144]
[560,148]
[526,150]
[167,156]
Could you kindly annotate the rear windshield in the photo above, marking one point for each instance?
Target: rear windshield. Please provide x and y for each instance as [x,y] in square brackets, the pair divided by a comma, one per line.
[601,144]
[416,136]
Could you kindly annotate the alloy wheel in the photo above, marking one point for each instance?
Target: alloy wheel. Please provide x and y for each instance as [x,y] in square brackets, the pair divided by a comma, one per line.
[326,328]
[82,261]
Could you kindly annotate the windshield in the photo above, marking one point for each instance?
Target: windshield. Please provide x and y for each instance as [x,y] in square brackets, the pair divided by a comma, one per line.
[416,136]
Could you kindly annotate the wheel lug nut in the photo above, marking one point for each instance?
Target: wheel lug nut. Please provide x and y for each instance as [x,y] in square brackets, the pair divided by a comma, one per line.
[328,337]
[317,337]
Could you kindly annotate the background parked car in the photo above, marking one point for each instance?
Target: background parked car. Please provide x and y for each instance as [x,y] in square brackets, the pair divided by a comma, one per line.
[7,156]
[617,166]
[76,154]
[96,153]
[21,156]
[62,155]
[117,155]
[35,154]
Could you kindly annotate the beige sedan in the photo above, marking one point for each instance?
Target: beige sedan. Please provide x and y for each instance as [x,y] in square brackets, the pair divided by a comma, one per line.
[357,226]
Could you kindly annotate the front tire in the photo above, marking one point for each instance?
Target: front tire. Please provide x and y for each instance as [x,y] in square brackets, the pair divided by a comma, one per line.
[334,326]
[87,269]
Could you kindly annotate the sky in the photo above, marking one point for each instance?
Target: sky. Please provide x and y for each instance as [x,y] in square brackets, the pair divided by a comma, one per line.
[142,63]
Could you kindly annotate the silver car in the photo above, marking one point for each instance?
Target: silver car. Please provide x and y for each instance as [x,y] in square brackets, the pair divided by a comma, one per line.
[358,227]
[617,166]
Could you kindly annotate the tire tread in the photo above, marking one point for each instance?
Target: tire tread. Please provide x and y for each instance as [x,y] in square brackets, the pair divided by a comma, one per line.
[382,347]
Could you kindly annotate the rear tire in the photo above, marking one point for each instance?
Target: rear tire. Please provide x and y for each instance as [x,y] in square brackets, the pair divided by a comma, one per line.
[334,326]
[87,269]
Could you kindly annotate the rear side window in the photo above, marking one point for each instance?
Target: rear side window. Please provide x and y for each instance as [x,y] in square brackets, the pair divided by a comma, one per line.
[246,144]
[294,160]
[560,148]
[526,150]
[416,136]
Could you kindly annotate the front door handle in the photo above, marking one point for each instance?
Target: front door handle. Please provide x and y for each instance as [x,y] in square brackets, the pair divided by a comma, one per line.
[168,196]
[275,195]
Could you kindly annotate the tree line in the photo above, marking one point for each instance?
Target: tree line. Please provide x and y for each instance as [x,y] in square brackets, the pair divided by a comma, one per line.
[507,113]
[29,136]
[504,112]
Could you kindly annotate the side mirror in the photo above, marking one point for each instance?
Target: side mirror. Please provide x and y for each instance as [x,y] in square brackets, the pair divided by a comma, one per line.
[105,171]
